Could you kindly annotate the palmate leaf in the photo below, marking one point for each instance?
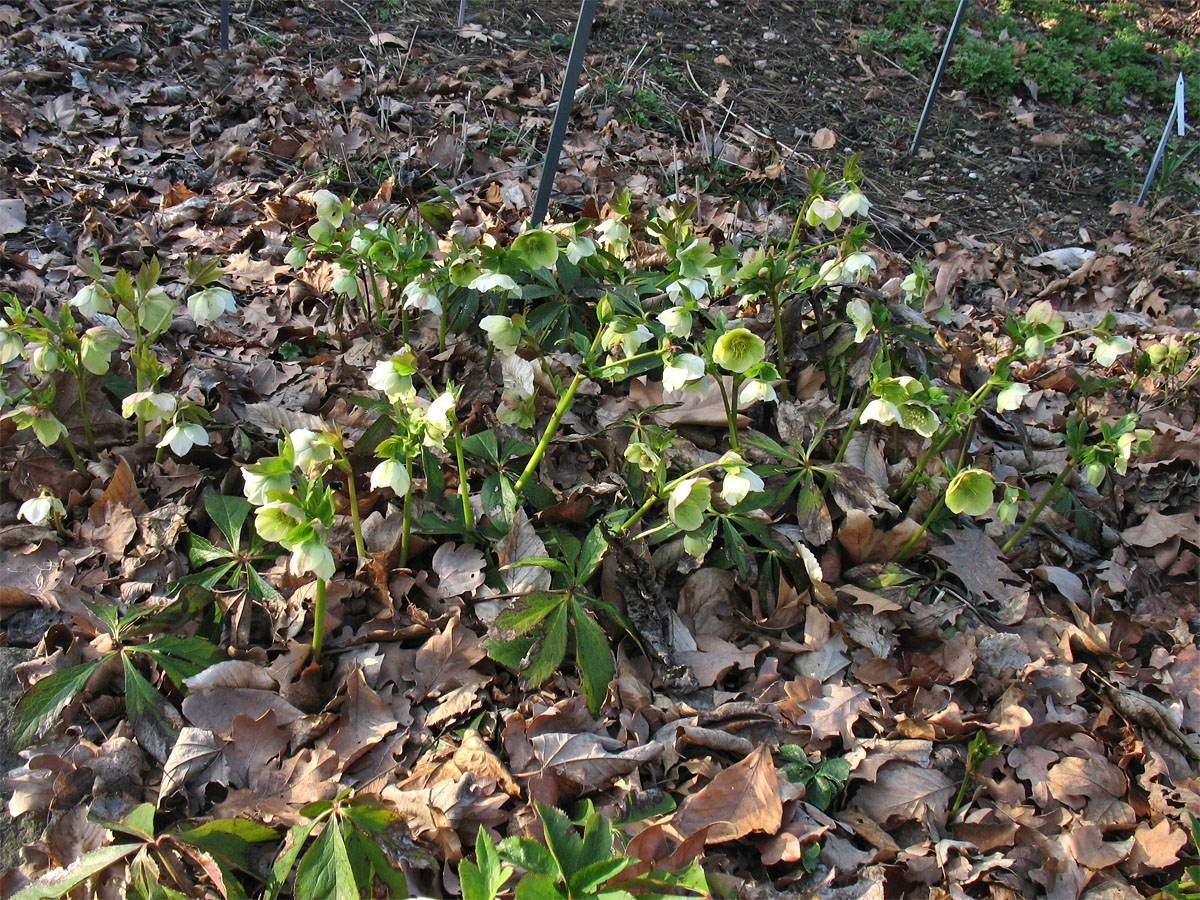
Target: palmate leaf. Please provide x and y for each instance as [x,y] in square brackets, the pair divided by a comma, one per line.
[482,879]
[288,854]
[561,840]
[202,551]
[547,652]
[45,700]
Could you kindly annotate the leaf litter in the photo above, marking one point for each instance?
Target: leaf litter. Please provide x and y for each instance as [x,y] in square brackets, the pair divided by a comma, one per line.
[1082,666]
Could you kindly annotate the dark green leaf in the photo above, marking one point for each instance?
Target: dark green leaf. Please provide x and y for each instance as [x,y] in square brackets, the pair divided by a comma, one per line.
[142,703]
[436,216]
[590,877]
[483,444]
[591,555]
[539,887]
[527,612]
[529,855]
[597,841]
[593,659]
[286,858]
[201,552]
[324,872]
[229,515]
[45,700]
[389,874]
[546,654]
[561,839]
[259,589]
[229,841]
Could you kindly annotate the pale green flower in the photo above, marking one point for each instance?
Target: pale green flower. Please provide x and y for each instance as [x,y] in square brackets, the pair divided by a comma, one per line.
[1106,352]
[149,406]
[96,347]
[11,344]
[1011,396]
[858,311]
[329,207]
[495,281]
[43,358]
[756,390]
[823,212]
[90,300]
[210,304]
[391,473]
[296,258]
[438,424]
[345,283]
[640,455]
[687,288]
[420,294]
[859,265]
[677,320]
[311,450]
[970,491]
[682,369]
[312,556]
[853,203]
[688,502]
[739,482]
[502,332]
[274,521]
[580,248]
[738,350]
[393,376]
[257,485]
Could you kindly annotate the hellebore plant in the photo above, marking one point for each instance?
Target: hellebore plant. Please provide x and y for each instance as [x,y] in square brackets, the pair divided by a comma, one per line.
[417,423]
[296,512]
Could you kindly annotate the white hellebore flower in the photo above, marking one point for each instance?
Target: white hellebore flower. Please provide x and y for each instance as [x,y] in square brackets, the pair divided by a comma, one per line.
[43,358]
[257,486]
[149,406]
[182,437]
[419,294]
[210,304]
[858,263]
[494,281]
[391,473]
[329,207]
[387,377]
[437,419]
[824,212]
[696,288]
[853,203]
[1011,397]
[677,320]
[345,283]
[682,369]
[756,390]
[831,271]
[312,556]
[502,332]
[580,248]
[89,300]
[37,511]
[310,451]
[739,481]
[632,340]
[11,344]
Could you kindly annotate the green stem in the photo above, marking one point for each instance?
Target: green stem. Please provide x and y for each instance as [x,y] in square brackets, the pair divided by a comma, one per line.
[845,445]
[730,410]
[646,354]
[355,520]
[79,466]
[464,492]
[442,331]
[1037,510]
[404,325]
[962,791]
[642,535]
[779,341]
[318,620]
[83,409]
[912,541]
[560,410]
[407,532]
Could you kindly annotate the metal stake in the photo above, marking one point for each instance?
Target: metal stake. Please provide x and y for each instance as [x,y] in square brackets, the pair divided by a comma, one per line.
[566,99]
[462,13]
[959,15]
[224,24]
[1176,116]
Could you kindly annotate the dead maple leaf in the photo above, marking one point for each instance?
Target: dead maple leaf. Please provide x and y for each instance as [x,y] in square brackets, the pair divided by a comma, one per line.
[835,712]
[977,562]
[740,800]
[906,792]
